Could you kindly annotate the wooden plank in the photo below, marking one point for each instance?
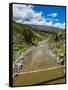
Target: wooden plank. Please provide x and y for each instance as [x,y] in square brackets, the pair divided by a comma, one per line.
[37,77]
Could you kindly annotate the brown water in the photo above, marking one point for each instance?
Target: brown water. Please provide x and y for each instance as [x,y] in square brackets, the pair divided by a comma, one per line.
[41,57]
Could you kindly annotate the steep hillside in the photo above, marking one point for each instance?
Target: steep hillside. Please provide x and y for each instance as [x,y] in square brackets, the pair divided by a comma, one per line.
[24,36]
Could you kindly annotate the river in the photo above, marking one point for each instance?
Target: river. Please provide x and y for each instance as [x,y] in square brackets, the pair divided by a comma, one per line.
[33,72]
[41,57]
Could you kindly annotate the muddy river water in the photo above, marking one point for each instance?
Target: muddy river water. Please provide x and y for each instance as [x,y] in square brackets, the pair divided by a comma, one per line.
[41,57]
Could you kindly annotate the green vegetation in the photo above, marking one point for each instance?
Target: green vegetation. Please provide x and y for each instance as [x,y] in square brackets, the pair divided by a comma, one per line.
[57,43]
[24,36]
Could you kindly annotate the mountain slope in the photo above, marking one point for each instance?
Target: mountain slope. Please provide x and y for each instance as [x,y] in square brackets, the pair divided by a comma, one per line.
[49,29]
[24,36]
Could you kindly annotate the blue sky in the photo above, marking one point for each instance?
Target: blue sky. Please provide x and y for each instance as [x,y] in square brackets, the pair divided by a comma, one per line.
[60,11]
[39,15]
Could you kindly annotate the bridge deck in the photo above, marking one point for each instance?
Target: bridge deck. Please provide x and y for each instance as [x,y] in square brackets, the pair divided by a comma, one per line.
[39,76]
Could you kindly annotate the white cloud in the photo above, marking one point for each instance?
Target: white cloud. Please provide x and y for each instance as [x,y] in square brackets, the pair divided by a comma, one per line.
[22,12]
[60,25]
[53,14]
[25,14]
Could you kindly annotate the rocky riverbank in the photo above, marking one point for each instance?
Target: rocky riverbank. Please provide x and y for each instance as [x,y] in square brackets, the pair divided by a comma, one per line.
[41,53]
[19,63]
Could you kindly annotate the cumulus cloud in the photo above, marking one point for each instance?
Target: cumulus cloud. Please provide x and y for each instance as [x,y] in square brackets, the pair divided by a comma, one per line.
[22,12]
[25,14]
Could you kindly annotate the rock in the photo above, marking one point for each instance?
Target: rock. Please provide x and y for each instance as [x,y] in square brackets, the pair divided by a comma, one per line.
[19,63]
[60,60]
[14,76]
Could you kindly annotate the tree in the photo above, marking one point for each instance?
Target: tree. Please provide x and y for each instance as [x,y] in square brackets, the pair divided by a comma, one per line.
[28,35]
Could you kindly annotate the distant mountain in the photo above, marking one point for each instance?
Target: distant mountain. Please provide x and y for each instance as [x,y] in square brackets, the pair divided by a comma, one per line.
[47,28]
